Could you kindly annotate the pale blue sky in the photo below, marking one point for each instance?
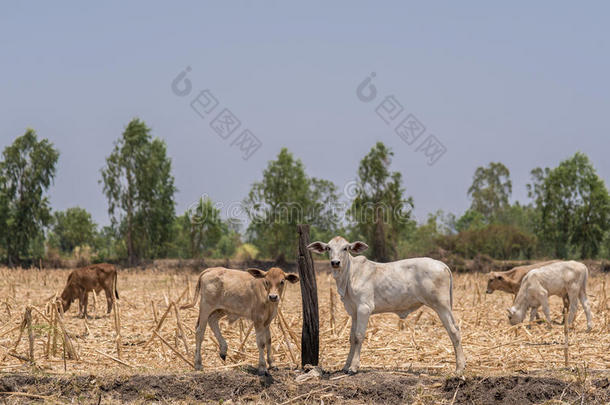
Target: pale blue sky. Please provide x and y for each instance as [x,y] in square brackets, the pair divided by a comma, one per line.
[524,83]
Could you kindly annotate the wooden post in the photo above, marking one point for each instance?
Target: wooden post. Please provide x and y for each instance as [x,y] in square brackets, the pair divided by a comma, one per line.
[309,293]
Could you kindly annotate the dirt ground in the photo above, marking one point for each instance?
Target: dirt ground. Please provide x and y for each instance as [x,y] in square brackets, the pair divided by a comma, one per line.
[402,362]
[237,386]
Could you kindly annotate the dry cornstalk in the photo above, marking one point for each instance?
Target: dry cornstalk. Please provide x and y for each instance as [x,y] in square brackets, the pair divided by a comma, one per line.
[21,329]
[332,310]
[159,324]
[286,342]
[182,295]
[566,349]
[117,327]
[173,349]
[54,330]
[114,359]
[14,328]
[181,333]
[47,351]
[292,334]
[154,311]
[243,342]
[68,347]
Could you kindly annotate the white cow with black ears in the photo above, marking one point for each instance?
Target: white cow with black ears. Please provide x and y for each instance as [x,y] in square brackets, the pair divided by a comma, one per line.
[401,287]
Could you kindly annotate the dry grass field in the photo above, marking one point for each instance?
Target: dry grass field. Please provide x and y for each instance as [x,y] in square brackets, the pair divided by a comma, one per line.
[150,356]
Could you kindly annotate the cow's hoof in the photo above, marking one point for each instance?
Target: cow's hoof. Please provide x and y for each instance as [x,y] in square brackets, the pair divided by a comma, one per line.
[263,373]
[588,329]
[198,367]
[273,368]
[223,356]
[352,372]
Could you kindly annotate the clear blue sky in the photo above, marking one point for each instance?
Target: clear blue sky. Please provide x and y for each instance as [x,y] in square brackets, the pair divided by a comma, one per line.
[524,83]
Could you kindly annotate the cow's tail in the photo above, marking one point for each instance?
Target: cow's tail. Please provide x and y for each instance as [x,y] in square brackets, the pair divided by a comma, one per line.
[450,286]
[114,283]
[584,287]
[196,296]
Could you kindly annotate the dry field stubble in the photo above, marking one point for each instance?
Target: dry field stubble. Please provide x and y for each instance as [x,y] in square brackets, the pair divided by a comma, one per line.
[156,339]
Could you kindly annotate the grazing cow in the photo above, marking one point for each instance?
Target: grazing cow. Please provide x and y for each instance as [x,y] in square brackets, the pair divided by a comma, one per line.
[510,281]
[252,294]
[400,287]
[98,277]
[561,278]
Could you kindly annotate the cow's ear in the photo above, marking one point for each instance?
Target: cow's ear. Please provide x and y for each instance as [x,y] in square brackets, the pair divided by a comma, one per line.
[292,278]
[318,247]
[256,273]
[358,247]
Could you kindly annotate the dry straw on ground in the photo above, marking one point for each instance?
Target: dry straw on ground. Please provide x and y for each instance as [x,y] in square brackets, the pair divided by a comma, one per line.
[148,333]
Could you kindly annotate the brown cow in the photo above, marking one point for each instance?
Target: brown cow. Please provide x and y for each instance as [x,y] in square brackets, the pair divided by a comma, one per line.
[253,294]
[81,281]
[510,282]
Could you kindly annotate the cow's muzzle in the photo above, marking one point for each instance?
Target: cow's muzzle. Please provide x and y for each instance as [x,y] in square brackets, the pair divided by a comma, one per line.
[335,264]
[274,298]
[489,291]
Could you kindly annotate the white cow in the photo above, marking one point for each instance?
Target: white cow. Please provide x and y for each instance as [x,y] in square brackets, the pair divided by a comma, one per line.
[561,278]
[401,287]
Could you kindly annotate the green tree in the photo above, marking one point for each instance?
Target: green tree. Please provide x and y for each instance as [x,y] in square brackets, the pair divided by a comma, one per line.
[379,212]
[73,227]
[470,220]
[140,190]
[204,226]
[285,197]
[573,207]
[490,190]
[27,170]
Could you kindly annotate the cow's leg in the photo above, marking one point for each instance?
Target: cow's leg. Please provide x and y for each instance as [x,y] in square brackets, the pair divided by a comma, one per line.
[81,300]
[544,303]
[213,322]
[260,343]
[109,298]
[533,315]
[85,303]
[573,297]
[202,321]
[352,344]
[446,317]
[582,296]
[363,314]
[270,359]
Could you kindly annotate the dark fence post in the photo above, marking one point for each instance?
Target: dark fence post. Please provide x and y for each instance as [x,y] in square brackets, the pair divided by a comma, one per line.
[309,294]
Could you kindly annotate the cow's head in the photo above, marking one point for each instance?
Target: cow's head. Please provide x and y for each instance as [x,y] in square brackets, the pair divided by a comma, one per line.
[515,316]
[338,250]
[67,297]
[494,282]
[273,281]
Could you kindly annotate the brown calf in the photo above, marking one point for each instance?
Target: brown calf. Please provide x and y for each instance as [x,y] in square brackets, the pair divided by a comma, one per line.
[81,281]
[253,294]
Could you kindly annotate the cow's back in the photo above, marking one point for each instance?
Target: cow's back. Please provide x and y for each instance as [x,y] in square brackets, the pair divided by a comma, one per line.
[228,289]
[411,281]
[556,277]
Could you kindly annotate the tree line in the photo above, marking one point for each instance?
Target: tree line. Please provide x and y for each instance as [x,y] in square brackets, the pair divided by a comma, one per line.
[566,215]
